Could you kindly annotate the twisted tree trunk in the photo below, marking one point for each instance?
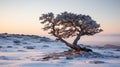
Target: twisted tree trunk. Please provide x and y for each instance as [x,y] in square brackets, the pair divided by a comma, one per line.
[72,46]
[75,46]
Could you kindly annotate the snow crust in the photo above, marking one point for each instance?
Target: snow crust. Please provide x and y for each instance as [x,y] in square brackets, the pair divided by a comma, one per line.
[27,50]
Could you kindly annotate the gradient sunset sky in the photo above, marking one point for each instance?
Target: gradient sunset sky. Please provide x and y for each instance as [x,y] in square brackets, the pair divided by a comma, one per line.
[22,16]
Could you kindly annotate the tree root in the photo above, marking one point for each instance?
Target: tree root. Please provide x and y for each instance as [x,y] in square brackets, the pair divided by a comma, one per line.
[70,54]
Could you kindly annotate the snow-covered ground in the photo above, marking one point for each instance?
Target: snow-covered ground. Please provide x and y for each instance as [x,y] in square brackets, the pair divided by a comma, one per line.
[27,51]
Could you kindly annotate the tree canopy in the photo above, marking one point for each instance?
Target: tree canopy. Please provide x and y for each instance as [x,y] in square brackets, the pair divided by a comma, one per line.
[67,25]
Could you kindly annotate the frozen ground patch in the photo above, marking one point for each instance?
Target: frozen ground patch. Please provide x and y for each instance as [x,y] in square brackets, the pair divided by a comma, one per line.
[27,50]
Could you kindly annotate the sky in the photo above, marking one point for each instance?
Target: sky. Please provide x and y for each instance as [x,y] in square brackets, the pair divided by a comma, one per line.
[22,16]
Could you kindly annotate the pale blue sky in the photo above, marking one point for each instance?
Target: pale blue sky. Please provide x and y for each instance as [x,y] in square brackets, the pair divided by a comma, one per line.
[21,16]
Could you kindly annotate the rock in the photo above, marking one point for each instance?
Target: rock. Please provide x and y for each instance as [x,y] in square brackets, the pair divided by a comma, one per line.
[21,50]
[45,46]
[86,49]
[16,41]
[96,62]
[0,46]
[69,57]
[29,47]
[117,50]
[9,46]
[46,58]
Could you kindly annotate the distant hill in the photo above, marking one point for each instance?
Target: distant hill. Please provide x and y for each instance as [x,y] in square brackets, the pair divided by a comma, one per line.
[111,46]
[22,37]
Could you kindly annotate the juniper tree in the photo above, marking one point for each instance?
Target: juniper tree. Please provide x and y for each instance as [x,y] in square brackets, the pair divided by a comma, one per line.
[66,25]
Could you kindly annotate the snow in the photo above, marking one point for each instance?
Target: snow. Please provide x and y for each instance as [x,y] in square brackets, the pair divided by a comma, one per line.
[30,49]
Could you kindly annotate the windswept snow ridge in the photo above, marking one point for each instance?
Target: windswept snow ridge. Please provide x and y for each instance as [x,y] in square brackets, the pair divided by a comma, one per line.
[27,50]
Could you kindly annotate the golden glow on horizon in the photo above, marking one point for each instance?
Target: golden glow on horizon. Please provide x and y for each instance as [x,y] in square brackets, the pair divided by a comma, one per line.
[21,28]
[35,28]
